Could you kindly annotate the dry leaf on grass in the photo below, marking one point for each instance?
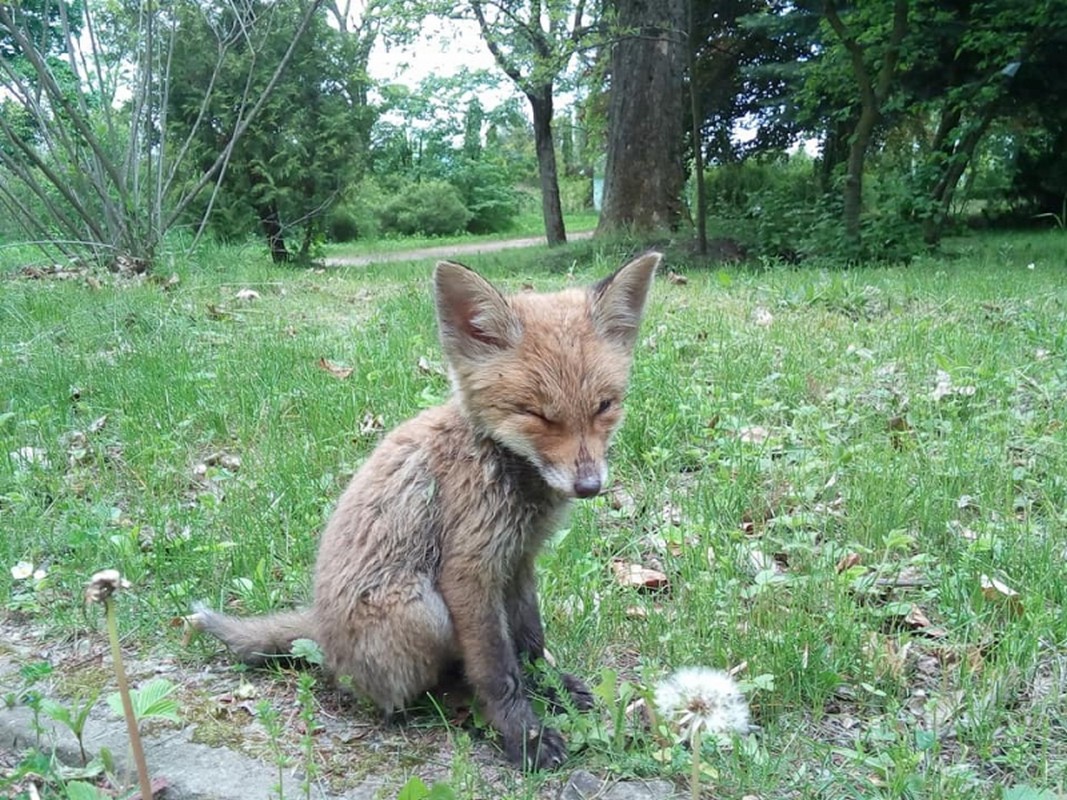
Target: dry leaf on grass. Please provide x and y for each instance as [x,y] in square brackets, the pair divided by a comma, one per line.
[753,434]
[636,576]
[847,562]
[428,367]
[337,370]
[999,592]
[247,295]
[676,279]
[371,423]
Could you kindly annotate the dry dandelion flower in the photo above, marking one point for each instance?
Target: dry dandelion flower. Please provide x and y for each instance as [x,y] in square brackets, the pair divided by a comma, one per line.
[699,699]
[104,584]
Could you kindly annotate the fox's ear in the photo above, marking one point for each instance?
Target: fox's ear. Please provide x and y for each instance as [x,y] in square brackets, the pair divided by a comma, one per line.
[619,299]
[473,316]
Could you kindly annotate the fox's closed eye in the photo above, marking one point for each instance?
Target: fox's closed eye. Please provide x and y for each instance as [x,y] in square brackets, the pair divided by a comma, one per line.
[605,404]
[533,412]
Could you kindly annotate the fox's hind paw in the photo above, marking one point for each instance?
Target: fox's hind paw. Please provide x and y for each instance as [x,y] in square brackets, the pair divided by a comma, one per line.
[581,695]
[541,748]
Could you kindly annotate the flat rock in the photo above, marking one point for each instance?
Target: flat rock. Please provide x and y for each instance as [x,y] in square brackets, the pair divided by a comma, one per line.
[584,785]
[192,771]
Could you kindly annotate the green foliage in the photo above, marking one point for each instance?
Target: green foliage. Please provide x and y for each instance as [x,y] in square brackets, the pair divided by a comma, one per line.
[434,208]
[308,650]
[487,192]
[416,789]
[79,790]
[423,138]
[305,150]
[151,701]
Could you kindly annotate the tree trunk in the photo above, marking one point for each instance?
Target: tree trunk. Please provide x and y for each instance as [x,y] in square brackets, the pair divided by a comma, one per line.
[873,91]
[270,221]
[645,173]
[551,208]
[852,197]
[698,139]
[958,156]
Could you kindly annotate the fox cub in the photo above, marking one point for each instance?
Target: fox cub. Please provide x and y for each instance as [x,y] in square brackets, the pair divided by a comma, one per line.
[428,561]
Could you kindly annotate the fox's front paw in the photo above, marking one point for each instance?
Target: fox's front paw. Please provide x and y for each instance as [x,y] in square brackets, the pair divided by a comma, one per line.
[579,691]
[536,749]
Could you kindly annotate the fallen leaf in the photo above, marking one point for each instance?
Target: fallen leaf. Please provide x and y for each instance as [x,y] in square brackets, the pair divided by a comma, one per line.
[97,424]
[636,576]
[622,501]
[157,785]
[338,371]
[676,279]
[428,367]
[224,460]
[961,530]
[372,423]
[636,612]
[753,434]
[847,562]
[247,295]
[762,317]
[916,618]
[999,592]
[26,457]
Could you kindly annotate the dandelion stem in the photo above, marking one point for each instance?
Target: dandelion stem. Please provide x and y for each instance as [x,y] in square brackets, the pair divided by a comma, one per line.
[694,779]
[127,703]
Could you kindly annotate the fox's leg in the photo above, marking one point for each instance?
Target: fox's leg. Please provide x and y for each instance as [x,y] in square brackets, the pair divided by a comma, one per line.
[392,644]
[524,620]
[491,662]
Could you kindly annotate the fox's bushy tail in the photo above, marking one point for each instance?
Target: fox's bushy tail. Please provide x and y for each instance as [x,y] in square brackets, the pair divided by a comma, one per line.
[255,639]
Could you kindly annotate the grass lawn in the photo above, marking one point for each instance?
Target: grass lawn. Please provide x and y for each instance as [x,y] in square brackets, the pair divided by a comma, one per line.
[854,481]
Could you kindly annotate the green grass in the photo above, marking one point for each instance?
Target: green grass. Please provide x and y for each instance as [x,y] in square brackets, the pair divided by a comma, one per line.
[805,484]
[526,225]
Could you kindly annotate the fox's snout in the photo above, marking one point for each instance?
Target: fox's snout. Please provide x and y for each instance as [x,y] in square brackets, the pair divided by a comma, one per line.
[581,477]
[587,486]
[588,479]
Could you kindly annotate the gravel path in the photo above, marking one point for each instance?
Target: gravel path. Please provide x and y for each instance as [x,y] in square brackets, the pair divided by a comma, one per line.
[448,251]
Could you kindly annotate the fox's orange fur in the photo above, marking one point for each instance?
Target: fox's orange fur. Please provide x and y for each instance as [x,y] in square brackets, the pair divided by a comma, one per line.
[428,560]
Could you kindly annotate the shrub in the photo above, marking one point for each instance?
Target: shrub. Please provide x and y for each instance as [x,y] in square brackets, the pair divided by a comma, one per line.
[433,208]
[488,194]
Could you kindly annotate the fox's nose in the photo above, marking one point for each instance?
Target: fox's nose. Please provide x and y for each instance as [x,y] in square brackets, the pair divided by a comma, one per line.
[587,486]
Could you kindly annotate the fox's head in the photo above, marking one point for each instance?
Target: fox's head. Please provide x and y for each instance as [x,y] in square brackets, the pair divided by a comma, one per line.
[545,374]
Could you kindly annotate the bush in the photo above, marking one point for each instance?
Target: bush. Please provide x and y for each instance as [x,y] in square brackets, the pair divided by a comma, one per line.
[342,225]
[434,208]
[487,193]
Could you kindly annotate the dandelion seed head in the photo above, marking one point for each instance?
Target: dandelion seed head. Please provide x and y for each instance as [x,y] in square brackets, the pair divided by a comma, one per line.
[104,584]
[699,699]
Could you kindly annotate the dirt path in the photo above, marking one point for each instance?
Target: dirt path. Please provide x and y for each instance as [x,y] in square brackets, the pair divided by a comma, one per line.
[448,251]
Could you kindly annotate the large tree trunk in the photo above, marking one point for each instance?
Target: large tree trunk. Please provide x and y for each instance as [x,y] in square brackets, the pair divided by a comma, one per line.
[551,208]
[645,174]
